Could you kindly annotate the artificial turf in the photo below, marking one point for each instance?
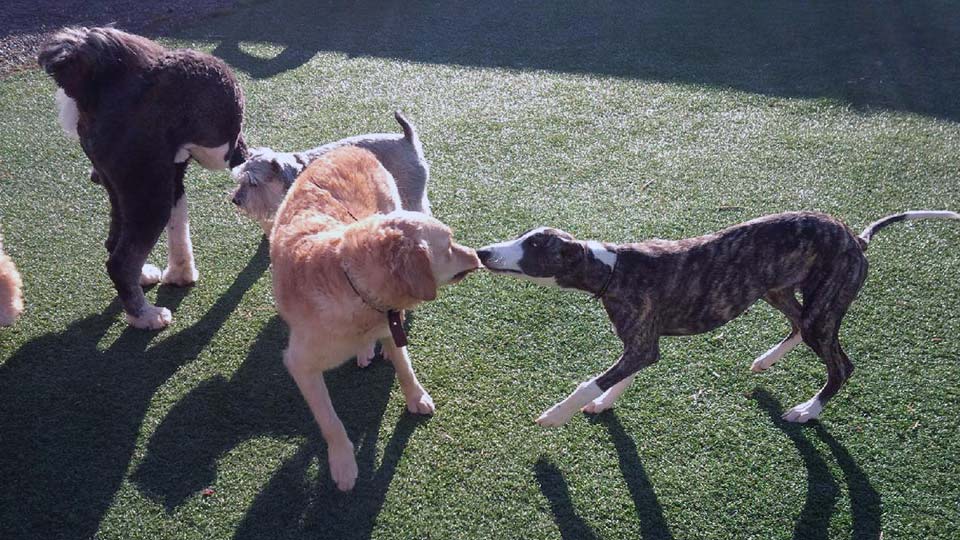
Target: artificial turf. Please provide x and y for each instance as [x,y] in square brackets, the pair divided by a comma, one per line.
[614,121]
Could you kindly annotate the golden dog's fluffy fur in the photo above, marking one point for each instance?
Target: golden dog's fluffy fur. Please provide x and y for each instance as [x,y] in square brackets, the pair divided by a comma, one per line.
[343,254]
[11,298]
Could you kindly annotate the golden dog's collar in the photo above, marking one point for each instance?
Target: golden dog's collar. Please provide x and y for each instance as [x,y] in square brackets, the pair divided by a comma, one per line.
[394,320]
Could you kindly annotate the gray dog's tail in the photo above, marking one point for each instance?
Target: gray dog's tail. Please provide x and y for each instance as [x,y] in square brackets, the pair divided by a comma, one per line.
[872,229]
[409,132]
[76,57]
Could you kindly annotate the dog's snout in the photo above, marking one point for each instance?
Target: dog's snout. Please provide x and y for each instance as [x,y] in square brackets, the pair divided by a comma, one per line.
[237,200]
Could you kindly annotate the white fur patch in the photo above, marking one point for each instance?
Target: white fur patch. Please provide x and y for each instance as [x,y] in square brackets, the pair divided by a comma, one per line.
[562,412]
[507,255]
[932,214]
[777,352]
[67,114]
[208,158]
[602,254]
[609,397]
[808,410]
[181,269]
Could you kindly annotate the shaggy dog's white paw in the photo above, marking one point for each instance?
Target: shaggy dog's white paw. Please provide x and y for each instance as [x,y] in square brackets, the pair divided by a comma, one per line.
[343,467]
[598,405]
[420,404]
[149,275]
[365,357]
[180,276]
[555,416]
[808,410]
[152,318]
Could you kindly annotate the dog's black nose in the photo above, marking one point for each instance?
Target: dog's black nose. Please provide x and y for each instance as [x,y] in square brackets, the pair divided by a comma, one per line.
[484,255]
[237,200]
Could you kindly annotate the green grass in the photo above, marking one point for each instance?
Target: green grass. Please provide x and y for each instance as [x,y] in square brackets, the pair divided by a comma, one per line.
[613,122]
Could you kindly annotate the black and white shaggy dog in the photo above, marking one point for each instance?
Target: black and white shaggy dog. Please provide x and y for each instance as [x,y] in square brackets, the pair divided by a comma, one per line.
[263,180]
[141,112]
[683,287]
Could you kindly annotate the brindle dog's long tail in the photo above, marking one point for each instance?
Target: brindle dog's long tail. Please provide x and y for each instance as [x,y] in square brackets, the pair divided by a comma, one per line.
[872,229]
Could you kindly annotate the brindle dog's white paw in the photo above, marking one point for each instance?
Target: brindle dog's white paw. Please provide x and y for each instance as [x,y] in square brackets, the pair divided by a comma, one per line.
[420,404]
[149,275]
[365,357]
[555,416]
[804,412]
[598,405]
[151,318]
[180,276]
[343,467]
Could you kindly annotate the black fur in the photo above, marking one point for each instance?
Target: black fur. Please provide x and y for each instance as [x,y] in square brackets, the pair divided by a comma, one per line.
[138,104]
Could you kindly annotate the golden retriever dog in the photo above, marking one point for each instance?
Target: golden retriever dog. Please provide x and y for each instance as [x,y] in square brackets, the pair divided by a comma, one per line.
[11,299]
[343,256]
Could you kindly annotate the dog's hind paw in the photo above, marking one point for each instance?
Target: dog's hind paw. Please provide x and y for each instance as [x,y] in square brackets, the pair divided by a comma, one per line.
[151,318]
[598,405]
[804,412]
[180,276]
[365,357]
[149,275]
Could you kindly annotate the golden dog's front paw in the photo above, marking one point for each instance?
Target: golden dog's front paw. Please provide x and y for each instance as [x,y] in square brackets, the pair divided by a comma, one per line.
[420,404]
[343,467]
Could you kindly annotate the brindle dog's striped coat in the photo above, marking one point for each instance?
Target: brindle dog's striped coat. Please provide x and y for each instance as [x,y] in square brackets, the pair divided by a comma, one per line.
[668,288]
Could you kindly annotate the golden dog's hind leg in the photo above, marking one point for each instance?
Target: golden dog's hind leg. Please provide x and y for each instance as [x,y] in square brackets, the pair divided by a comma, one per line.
[418,400]
[303,367]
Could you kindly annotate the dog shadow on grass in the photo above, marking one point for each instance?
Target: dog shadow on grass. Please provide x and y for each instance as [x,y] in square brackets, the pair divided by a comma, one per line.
[653,526]
[261,400]
[822,490]
[71,411]
[882,54]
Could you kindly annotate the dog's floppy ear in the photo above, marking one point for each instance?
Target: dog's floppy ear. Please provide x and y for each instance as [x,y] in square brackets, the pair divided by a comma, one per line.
[414,271]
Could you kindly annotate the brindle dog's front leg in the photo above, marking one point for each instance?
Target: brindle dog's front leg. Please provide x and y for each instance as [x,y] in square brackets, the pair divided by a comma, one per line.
[633,359]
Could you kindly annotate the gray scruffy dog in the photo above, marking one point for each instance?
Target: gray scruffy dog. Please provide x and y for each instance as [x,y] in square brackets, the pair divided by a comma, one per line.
[263,180]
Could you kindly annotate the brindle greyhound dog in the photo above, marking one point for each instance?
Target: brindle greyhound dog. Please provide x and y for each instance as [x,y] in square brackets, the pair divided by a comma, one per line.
[684,287]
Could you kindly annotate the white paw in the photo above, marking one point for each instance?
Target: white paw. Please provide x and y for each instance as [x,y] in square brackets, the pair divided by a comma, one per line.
[555,416]
[420,404]
[771,357]
[808,410]
[149,275]
[180,276]
[343,467]
[365,357]
[761,364]
[598,405]
[152,318]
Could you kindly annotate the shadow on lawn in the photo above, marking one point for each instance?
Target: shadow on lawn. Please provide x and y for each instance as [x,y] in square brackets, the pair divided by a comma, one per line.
[261,399]
[822,490]
[653,526]
[883,54]
[72,411]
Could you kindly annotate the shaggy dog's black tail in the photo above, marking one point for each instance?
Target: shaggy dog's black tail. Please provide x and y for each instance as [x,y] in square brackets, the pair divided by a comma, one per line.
[872,229]
[78,57]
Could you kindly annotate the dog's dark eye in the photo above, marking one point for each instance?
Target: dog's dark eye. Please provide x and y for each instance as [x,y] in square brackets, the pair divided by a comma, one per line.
[535,244]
